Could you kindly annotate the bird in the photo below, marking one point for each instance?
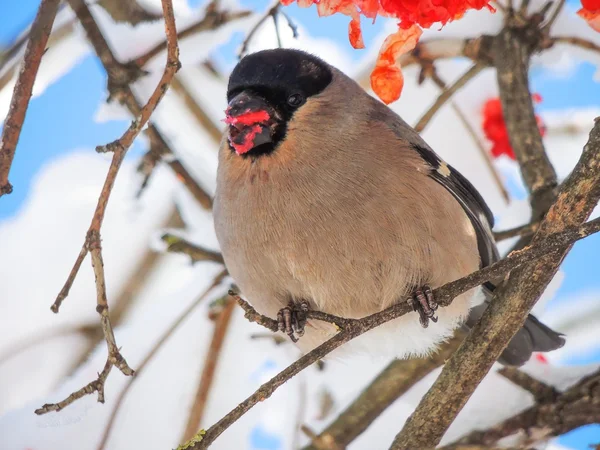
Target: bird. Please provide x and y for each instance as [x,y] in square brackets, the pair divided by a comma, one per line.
[327,200]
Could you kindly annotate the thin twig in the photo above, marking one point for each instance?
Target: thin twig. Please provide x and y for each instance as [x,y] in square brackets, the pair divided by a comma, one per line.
[508,309]
[351,328]
[553,17]
[576,41]
[196,253]
[447,94]
[524,230]
[540,391]
[271,12]
[36,47]
[152,353]
[212,20]
[482,151]
[93,240]
[94,386]
[209,366]
[119,78]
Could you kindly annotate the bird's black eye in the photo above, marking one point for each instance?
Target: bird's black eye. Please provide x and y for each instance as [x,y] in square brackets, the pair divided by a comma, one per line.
[295,100]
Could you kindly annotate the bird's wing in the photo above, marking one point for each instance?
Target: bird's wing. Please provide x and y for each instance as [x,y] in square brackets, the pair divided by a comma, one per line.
[461,189]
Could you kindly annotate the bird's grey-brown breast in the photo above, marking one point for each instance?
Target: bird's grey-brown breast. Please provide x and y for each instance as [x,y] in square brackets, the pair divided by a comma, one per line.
[340,214]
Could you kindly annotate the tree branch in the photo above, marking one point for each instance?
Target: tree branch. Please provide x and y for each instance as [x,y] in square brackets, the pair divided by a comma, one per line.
[209,366]
[393,382]
[212,20]
[551,416]
[428,69]
[575,41]
[153,352]
[119,77]
[540,391]
[508,310]
[351,328]
[512,51]
[92,241]
[271,13]
[524,230]
[176,244]
[36,47]
[447,94]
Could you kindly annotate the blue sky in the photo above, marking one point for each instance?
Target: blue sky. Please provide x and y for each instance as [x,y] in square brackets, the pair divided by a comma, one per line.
[61,120]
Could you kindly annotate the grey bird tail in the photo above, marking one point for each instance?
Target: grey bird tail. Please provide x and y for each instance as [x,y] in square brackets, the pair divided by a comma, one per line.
[533,337]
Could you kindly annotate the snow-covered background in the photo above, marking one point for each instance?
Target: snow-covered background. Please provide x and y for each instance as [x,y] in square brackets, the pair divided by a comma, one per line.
[57,178]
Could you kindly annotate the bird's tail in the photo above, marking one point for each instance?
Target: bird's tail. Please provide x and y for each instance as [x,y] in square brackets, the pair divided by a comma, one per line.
[533,337]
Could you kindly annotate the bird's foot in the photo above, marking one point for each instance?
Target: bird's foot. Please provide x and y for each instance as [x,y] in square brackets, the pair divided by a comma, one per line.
[292,319]
[422,301]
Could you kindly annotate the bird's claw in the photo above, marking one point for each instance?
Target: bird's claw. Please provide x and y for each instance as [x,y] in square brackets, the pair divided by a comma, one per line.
[292,319]
[422,301]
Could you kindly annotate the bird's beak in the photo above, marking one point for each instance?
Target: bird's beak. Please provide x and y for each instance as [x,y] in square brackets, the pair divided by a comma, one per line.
[249,117]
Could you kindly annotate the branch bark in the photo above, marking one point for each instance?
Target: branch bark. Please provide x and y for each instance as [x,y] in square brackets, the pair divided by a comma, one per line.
[176,244]
[507,312]
[551,416]
[512,52]
[351,328]
[36,47]
[92,241]
[393,382]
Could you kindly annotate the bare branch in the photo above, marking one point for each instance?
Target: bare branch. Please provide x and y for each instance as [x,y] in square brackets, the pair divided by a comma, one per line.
[540,391]
[512,54]
[94,386]
[351,328]
[553,17]
[36,47]
[431,71]
[119,77]
[393,382]
[153,352]
[508,310]
[92,242]
[575,41]
[549,417]
[523,230]
[176,244]
[129,11]
[271,13]
[209,366]
[64,292]
[212,20]
[447,94]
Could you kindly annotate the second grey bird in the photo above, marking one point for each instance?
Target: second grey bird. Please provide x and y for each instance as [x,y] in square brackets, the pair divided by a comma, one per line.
[327,199]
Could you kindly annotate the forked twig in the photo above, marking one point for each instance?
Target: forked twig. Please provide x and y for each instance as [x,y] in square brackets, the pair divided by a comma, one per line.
[92,242]
[152,353]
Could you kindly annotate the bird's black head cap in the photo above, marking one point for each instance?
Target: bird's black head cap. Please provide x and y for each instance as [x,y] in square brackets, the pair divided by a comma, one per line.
[280,71]
[265,90]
